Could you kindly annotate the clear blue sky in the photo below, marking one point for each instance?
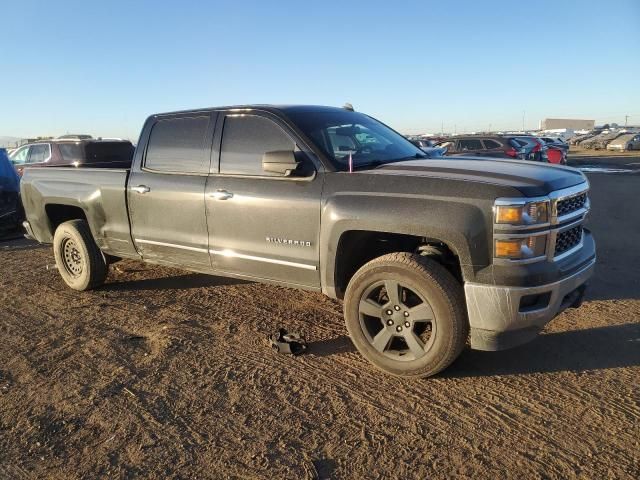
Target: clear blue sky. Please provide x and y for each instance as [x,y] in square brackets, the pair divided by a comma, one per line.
[102,67]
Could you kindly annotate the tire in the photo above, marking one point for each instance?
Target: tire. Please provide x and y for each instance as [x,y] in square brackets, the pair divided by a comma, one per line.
[429,307]
[80,262]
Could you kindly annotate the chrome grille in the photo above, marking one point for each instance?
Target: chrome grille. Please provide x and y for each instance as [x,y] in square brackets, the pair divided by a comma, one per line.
[569,205]
[568,239]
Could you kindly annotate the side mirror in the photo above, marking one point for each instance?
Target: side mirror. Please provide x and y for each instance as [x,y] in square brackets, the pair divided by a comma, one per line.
[281,161]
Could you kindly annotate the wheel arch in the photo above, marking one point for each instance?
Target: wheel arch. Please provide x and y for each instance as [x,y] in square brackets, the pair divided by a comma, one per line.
[58,213]
[357,247]
[355,225]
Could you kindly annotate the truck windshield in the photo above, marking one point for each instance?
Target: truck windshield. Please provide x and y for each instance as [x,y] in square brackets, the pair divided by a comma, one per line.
[343,135]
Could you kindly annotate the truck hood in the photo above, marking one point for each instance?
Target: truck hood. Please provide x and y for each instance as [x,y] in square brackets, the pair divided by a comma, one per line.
[531,178]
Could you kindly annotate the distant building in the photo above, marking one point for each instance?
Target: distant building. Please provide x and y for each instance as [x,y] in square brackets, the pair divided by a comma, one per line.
[568,123]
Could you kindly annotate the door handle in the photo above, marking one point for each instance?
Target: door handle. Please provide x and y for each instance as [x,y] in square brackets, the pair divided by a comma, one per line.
[141,189]
[221,195]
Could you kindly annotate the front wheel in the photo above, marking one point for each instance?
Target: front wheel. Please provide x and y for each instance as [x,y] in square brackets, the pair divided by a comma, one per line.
[79,260]
[406,315]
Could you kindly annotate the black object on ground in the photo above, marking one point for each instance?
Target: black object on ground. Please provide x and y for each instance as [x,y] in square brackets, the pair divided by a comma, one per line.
[291,343]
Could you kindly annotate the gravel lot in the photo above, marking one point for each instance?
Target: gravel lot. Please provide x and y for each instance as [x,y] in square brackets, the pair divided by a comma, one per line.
[164,373]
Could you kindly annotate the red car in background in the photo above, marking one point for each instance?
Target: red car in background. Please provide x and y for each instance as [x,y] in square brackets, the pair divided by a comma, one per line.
[556,155]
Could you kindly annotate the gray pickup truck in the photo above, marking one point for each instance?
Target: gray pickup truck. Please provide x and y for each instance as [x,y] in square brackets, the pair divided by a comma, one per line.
[426,253]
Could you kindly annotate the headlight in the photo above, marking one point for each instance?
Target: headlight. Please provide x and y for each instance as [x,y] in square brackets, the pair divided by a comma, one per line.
[522,248]
[529,213]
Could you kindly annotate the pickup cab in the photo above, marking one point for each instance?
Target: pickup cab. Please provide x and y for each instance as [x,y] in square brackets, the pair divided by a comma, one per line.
[426,254]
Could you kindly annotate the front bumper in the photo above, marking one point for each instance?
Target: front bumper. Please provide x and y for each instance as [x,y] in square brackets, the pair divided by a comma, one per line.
[503,317]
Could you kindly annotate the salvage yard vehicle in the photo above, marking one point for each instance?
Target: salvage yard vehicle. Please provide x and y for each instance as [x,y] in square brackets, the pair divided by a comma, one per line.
[496,146]
[73,151]
[601,141]
[556,143]
[10,206]
[625,143]
[424,252]
[427,146]
[533,148]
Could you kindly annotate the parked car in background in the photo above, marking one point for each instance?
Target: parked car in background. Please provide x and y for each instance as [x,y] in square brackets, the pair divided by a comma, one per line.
[626,142]
[11,215]
[73,153]
[557,156]
[497,146]
[581,138]
[601,141]
[429,147]
[494,146]
[533,148]
[73,136]
[422,143]
[555,142]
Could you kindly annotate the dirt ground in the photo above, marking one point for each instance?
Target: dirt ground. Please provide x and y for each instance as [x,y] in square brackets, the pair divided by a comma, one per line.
[166,374]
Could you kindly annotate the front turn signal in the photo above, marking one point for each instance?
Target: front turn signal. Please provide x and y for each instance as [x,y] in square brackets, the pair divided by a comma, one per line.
[521,248]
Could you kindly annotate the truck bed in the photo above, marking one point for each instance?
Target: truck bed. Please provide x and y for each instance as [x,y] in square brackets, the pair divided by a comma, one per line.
[49,194]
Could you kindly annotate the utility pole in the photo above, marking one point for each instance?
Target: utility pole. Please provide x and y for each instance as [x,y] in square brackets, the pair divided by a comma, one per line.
[442,129]
[626,118]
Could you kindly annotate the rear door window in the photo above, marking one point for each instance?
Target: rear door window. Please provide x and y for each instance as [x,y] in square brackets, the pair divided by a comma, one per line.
[470,144]
[245,139]
[180,145]
[39,153]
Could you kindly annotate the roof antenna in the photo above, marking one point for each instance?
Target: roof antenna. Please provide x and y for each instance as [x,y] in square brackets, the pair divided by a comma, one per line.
[349,107]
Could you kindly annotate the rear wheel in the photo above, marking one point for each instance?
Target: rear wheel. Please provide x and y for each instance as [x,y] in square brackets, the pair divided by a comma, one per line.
[79,260]
[406,315]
